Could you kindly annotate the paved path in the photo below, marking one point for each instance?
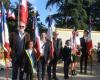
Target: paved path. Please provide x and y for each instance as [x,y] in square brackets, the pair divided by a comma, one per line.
[95,74]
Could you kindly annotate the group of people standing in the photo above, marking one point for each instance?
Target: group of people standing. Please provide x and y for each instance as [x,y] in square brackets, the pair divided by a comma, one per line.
[24,55]
[74,51]
[25,61]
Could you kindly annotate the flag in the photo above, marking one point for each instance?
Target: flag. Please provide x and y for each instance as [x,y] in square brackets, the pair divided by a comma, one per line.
[0,13]
[89,40]
[23,11]
[5,33]
[33,24]
[0,16]
[50,37]
[0,29]
[11,14]
[37,39]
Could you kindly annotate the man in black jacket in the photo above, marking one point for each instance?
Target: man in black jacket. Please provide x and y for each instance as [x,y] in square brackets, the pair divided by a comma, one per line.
[84,50]
[98,52]
[57,51]
[18,40]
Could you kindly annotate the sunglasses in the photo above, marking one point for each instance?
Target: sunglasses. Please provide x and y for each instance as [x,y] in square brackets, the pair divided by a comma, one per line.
[21,26]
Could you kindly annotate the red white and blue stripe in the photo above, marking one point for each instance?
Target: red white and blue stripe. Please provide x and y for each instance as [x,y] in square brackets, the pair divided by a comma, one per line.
[50,36]
[4,31]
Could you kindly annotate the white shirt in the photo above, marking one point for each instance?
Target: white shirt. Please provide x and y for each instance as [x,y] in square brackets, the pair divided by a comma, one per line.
[21,35]
[68,46]
[77,40]
[29,51]
[73,42]
[42,46]
[85,38]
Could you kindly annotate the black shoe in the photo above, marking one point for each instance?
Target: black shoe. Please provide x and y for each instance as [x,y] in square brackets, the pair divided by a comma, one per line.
[67,77]
[85,73]
[74,72]
[49,78]
[55,78]
[81,72]
[2,69]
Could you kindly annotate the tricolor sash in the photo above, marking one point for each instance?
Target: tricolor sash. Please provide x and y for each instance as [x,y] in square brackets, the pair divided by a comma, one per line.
[31,61]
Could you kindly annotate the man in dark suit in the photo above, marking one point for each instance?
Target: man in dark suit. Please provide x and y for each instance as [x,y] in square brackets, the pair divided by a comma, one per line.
[57,52]
[44,56]
[98,52]
[84,50]
[18,40]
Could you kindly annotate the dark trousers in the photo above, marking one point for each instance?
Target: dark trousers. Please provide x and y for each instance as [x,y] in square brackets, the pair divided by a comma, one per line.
[66,69]
[98,55]
[83,62]
[41,68]
[29,76]
[53,65]
[16,68]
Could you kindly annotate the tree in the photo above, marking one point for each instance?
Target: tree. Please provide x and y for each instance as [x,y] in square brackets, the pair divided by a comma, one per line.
[96,15]
[58,17]
[6,3]
[72,13]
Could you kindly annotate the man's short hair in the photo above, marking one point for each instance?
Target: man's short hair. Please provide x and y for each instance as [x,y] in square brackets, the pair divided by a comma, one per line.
[55,33]
[43,30]
[86,31]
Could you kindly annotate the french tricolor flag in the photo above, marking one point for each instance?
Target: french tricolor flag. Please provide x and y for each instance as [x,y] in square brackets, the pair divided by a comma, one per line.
[50,37]
[11,14]
[5,33]
[23,11]
[89,40]
[37,38]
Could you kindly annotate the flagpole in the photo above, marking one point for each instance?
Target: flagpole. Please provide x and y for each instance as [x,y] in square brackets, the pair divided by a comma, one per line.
[2,12]
[33,25]
[51,30]
[35,31]
[90,29]
[18,12]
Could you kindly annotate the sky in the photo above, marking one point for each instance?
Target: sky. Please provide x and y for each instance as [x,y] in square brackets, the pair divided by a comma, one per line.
[40,6]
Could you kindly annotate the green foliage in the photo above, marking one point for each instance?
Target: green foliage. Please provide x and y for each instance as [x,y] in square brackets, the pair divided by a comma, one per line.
[78,10]
[96,15]
[6,3]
